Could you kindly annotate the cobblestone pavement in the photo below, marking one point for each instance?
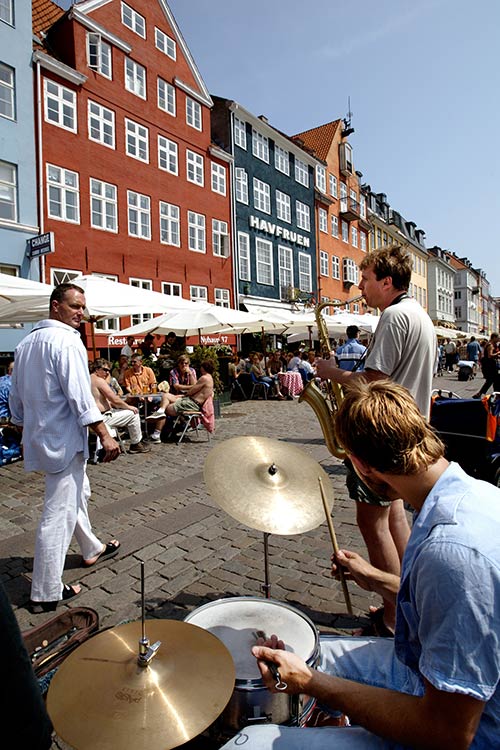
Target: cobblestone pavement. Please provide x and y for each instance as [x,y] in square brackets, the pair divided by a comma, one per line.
[159,508]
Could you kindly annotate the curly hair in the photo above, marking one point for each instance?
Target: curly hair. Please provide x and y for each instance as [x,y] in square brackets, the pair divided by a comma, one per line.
[393,261]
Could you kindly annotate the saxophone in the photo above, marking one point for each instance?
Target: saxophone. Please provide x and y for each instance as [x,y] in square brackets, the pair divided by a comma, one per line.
[325,405]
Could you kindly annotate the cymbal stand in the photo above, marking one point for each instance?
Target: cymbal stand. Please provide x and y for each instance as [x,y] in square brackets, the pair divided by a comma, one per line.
[146,652]
[266,587]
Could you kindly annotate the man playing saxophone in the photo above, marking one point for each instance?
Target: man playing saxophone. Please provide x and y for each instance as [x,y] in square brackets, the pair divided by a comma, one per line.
[403,348]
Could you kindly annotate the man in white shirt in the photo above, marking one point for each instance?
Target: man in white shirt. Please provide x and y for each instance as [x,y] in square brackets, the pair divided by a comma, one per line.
[52,402]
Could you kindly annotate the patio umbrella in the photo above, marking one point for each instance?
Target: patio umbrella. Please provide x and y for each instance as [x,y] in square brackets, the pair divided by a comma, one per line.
[17,292]
[337,325]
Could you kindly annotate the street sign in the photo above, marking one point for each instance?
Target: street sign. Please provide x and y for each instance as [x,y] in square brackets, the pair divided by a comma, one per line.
[41,244]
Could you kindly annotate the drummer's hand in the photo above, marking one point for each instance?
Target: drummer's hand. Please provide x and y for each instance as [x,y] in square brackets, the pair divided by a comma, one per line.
[293,670]
[355,567]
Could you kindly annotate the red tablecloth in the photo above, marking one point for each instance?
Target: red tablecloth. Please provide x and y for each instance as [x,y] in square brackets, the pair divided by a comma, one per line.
[292,381]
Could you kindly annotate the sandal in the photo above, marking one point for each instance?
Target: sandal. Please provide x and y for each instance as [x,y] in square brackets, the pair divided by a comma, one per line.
[110,550]
[69,592]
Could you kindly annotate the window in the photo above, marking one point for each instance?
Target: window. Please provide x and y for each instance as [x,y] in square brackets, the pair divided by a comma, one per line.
[323,220]
[335,226]
[63,195]
[305,276]
[362,241]
[244,256]
[240,133]
[323,263]
[196,232]
[133,20]
[345,231]
[193,113]
[109,324]
[321,178]
[62,276]
[165,44]
[220,238]
[350,271]
[99,55]
[379,237]
[301,172]
[343,196]
[141,284]
[103,206]
[281,159]
[218,178]
[7,91]
[60,105]
[264,261]
[170,287]
[335,267]
[139,215]
[198,293]
[303,216]
[194,168]
[260,146]
[170,227]
[9,270]
[333,185]
[101,124]
[285,265]
[241,184]
[166,97]
[222,297]
[135,78]
[136,140]
[362,206]
[261,196]
[283,206]
[7,11]
[8,191]
[354,236]
[168,158]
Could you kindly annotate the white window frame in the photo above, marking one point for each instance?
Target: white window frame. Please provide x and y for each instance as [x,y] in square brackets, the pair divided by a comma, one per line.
[362,241]
[354,236]
[305,275]
[323,263]
[108,324]
[133,20]
[244,269]
[303,214]
[170,224]
[343,196]
[323,220]
[260,146]
[345,231]
[194,117]
[198,293]
[65,190]
[197,233]
[7,91]
[218,178]
[165,44]
[220,247]
[7,12]
[101,124]
[241,185]
[146,284]
[261,195]
[172,288]
[63,276]
[301,172]
[136,141]
[264,266]
[321,178]
[138,213]
[335,267]
[285,269]
[8,189]
[222,297]
[195,168]
[135,78]
[334,221]
[281,159]
[103,203]
[362,206]
[333,185]
[166,97]
[283,206]
[168,155]
[63,105]
[99,55]
[240,133]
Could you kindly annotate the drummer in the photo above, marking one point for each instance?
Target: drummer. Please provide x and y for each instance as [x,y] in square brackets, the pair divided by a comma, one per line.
[437,683]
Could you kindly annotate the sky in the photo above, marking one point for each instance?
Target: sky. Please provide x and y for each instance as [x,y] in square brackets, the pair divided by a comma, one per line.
[423,81]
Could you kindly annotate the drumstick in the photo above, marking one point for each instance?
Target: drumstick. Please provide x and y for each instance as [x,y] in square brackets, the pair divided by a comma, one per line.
[335,548]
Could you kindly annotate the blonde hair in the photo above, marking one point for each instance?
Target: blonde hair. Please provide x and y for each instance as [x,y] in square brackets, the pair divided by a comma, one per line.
[379,422]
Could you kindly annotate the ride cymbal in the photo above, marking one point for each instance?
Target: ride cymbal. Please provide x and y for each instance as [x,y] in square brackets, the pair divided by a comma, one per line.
[101,699]
[267,485]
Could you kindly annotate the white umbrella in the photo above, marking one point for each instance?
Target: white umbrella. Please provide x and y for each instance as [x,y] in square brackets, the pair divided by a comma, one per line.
[17,292]
[337,325]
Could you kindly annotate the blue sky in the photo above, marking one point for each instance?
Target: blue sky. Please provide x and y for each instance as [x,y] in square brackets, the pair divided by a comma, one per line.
[423,77]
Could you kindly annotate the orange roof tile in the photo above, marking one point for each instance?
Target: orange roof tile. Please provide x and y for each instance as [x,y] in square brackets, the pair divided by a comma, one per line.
[45,14]
[320,138]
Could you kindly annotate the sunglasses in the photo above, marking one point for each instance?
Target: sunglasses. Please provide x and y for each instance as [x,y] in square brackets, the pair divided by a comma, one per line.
[106,369]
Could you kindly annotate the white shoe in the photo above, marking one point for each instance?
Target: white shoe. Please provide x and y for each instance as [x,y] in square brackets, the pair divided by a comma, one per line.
[155,438]
[158,414]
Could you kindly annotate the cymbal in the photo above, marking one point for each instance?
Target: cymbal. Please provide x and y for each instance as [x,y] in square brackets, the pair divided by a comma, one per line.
[100,698]
[267,484]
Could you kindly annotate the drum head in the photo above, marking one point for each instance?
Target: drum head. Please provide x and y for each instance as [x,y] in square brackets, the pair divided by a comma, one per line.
[234,621]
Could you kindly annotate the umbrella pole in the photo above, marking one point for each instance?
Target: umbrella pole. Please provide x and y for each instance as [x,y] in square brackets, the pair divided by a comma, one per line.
[264,347]
[93,337]
[310,336]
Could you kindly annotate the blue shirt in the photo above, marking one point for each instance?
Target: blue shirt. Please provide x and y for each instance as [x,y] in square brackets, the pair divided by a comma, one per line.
[5,386]
[349,354]
[473,351]
[448,609]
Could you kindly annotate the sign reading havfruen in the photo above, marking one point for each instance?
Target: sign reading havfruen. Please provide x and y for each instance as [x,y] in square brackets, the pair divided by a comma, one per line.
[278,231]
[41,244]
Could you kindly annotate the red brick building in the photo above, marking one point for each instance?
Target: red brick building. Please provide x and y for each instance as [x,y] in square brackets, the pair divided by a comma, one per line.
[130,183]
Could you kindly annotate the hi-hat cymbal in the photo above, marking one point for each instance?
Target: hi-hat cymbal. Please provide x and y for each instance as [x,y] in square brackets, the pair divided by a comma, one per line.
[267,484]
[101,699]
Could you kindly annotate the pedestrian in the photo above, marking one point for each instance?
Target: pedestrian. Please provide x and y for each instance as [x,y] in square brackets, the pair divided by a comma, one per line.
[489,366]
[403,348]
[450,351]
[350,356]
[52,402]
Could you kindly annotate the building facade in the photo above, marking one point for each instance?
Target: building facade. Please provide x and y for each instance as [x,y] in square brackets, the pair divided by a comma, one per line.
[441,275]
[466,295]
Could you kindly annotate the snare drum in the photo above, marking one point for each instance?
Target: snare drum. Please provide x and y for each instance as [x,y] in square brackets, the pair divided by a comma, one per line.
[234,621]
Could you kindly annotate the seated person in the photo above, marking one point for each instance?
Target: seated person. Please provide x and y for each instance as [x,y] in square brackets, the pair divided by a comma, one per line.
[120,370]
[183,374]
[437,683]
[116,412]
[293,362]
[235,367]
[138,378]
[147,348]
[5,386]
[128,350]
[306,369]
[261,376]
[170,345]
[191,397]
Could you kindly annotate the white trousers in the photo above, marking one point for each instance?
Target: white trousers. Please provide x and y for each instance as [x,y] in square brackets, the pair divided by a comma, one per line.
[64,514]
[125,418]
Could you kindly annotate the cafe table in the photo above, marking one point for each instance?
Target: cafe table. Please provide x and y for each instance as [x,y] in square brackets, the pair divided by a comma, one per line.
[292,382]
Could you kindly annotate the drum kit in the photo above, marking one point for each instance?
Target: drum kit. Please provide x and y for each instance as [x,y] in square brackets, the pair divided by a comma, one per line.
[183,679]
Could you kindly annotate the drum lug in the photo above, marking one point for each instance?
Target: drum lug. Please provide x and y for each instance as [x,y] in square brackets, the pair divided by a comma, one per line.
[263,719]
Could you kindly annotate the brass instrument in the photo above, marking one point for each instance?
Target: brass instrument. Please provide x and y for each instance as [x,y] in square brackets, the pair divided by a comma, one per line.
[325,407]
